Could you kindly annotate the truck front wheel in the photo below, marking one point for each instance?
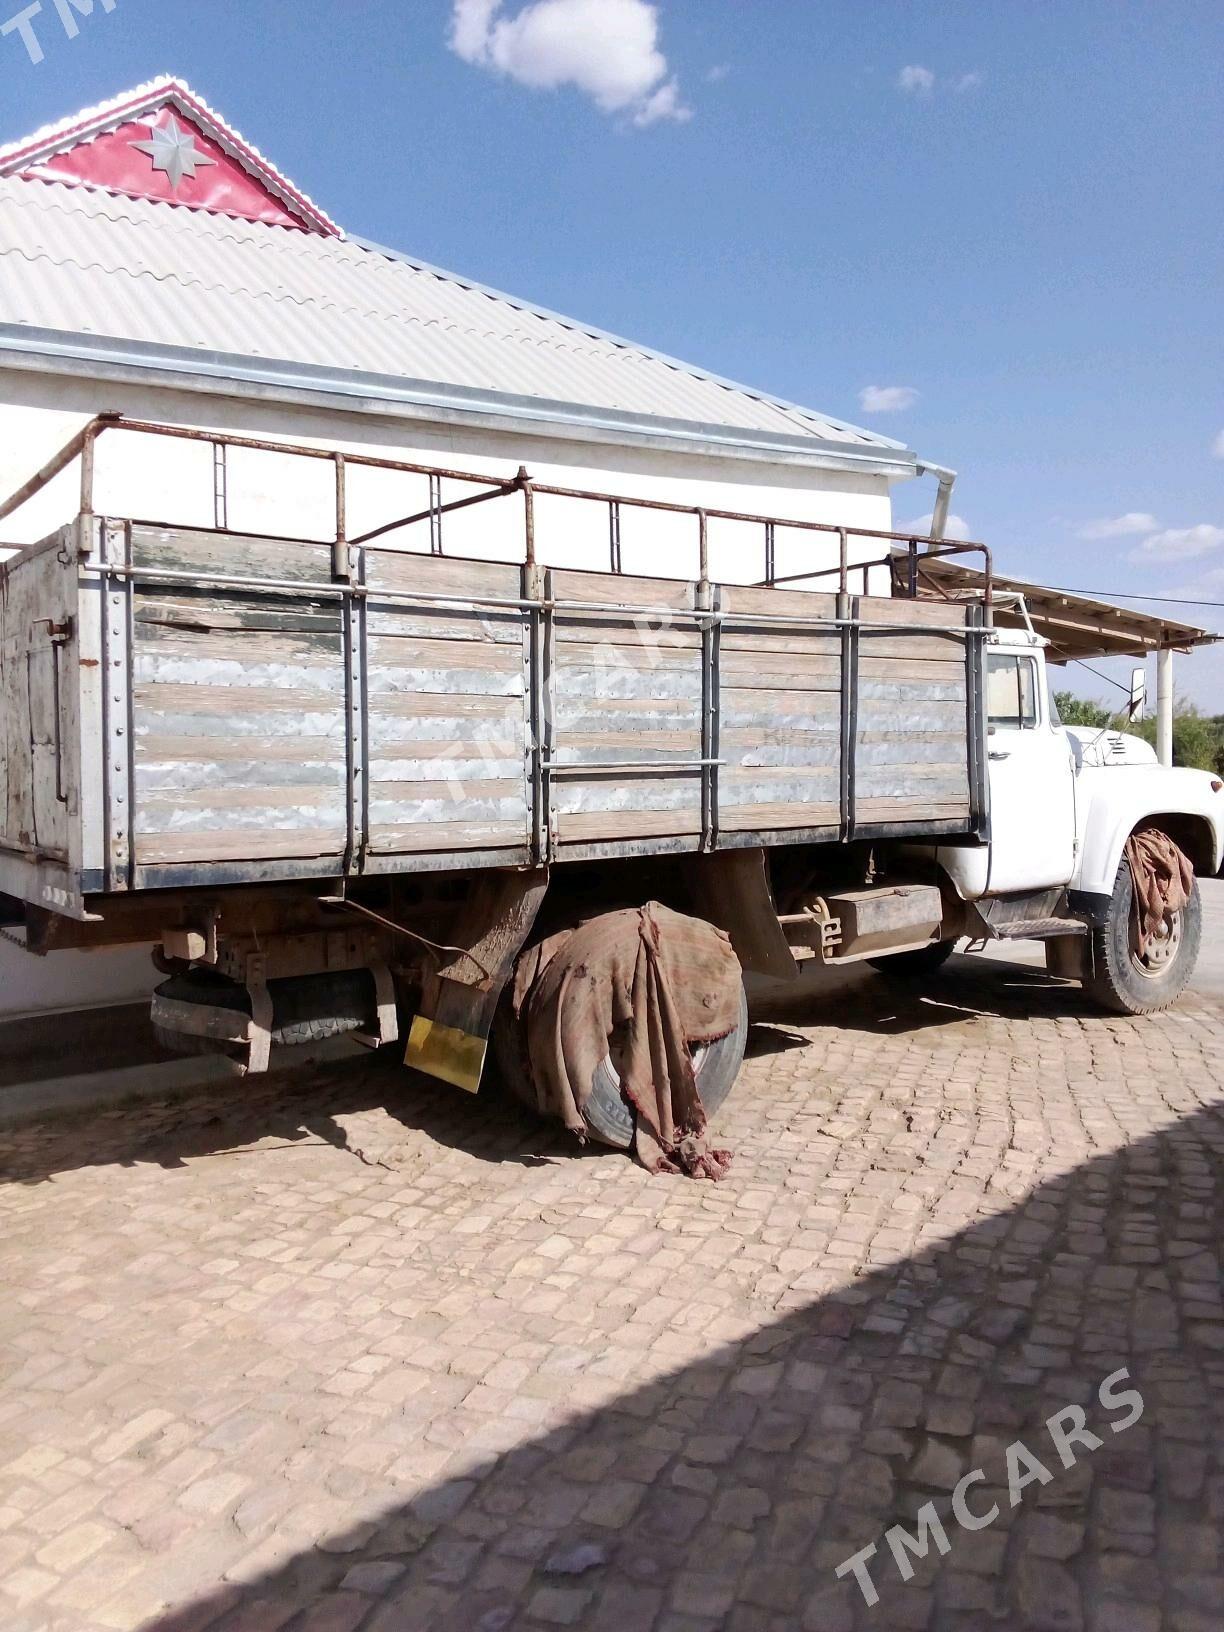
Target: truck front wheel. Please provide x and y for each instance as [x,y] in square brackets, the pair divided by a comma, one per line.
[1130,982]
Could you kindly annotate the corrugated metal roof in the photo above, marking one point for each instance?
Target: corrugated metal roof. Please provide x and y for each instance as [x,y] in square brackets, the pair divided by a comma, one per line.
[77,260]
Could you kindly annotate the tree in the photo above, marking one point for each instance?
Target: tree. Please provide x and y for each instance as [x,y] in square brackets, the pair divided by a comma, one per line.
[1198,739]
[1073,710]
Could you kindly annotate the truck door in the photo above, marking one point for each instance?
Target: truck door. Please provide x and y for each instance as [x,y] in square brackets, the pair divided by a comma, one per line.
[1032,778]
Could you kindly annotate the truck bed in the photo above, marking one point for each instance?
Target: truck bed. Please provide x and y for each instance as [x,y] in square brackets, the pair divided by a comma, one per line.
[195,708]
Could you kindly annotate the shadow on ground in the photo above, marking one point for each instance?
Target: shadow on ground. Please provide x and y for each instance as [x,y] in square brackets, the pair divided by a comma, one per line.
[170,1132]
[724,1494]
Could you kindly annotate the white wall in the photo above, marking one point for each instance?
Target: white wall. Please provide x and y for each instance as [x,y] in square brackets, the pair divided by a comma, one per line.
[173,482]
[72,980]
[156,479]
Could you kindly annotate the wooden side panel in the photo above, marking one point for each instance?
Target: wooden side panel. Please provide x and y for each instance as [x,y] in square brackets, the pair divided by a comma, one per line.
[238,702]
[39,736]
[780,712]
[248,707]
[628,692]
[911,731]
[447,706]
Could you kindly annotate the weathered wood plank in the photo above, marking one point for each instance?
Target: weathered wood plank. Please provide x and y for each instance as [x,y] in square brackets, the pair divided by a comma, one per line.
[918,809]
[779,603]
[679,790]
[937,614]
[226,749]
[619,590]
[161,699]
[402,652]
[911,670]
[765,816]
[214,781]
[151,666]
[927,647]
[644,660]
[626,825]
[421,837]
[182,549]
[441,575]
[253,845]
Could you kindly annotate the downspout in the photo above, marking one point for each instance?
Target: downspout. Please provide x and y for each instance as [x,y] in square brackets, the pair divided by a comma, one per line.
[943,498]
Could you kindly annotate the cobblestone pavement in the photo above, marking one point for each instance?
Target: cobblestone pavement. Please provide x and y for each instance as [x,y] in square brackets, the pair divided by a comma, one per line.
[378,1356]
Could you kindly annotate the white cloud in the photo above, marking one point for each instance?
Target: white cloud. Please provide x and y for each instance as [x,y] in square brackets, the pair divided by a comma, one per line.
[1217,447]
[608,49]
[1129,525]
[719,72]
[916,79]
[957,527]
[1180,543]
[886,399]
[969,82]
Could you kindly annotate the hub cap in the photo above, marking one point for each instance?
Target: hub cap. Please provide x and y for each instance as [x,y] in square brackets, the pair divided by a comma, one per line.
[1162,948]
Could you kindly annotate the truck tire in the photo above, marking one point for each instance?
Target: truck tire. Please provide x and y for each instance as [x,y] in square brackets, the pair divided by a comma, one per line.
[916,965]
[305,1008]
[609,1118]
[1128,984]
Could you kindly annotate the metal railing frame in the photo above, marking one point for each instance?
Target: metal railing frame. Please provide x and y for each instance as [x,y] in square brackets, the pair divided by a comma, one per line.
[83,446]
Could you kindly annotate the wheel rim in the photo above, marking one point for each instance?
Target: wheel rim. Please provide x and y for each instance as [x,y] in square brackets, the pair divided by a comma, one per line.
[698,1052]
[1161,951]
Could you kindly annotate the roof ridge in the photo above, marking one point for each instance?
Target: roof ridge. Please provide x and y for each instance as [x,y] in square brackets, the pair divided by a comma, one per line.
[596,333]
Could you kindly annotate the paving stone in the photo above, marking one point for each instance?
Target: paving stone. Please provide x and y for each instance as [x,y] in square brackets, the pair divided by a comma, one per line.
[410,1348]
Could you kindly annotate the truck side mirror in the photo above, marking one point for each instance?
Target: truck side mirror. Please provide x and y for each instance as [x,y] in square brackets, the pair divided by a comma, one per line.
[1138,694]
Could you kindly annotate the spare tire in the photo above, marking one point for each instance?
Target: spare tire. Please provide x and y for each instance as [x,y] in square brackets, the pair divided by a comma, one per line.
[305,1008]
[607,1115]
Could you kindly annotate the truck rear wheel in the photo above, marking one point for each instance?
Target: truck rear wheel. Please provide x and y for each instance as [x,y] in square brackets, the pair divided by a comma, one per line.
[1129,982]
[609,1118]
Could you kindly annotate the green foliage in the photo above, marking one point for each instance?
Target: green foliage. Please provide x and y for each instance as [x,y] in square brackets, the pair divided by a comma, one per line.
[1073,710]
[1198,739]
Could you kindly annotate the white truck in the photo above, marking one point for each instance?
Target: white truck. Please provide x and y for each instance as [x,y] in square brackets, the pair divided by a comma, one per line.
[336,779]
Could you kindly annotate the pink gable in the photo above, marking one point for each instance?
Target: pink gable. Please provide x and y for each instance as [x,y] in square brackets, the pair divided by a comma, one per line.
[161,141]
[183,167]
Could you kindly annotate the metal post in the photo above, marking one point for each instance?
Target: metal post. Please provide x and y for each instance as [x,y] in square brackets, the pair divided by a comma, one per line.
[340,555]
[614,534]
[220,488]
[1164,705]
[843,561]
[703,545]
[87,470]
[435,515]
[528,514]
[771,562]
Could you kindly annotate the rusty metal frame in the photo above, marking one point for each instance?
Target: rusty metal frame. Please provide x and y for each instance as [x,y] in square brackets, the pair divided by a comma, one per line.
[83,446]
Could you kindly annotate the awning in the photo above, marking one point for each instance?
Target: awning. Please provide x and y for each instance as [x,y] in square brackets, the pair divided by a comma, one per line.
[1076,626]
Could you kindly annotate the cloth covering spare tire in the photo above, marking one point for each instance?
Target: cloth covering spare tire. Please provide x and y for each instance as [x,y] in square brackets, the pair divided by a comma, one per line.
[664,983]
[1163,878]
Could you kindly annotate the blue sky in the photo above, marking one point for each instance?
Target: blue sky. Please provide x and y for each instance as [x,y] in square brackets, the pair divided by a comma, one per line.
[1012,213]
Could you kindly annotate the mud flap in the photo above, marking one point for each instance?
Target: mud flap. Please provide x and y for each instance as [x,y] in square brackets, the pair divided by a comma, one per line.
[449,1036]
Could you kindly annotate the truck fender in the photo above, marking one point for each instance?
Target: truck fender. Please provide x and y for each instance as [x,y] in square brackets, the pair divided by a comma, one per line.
[1188,805]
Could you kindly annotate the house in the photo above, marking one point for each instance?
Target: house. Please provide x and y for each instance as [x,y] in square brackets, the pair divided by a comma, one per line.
[154,264]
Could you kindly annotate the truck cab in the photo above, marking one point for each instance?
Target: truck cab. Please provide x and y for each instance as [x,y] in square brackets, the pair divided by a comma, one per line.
[1064,801]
